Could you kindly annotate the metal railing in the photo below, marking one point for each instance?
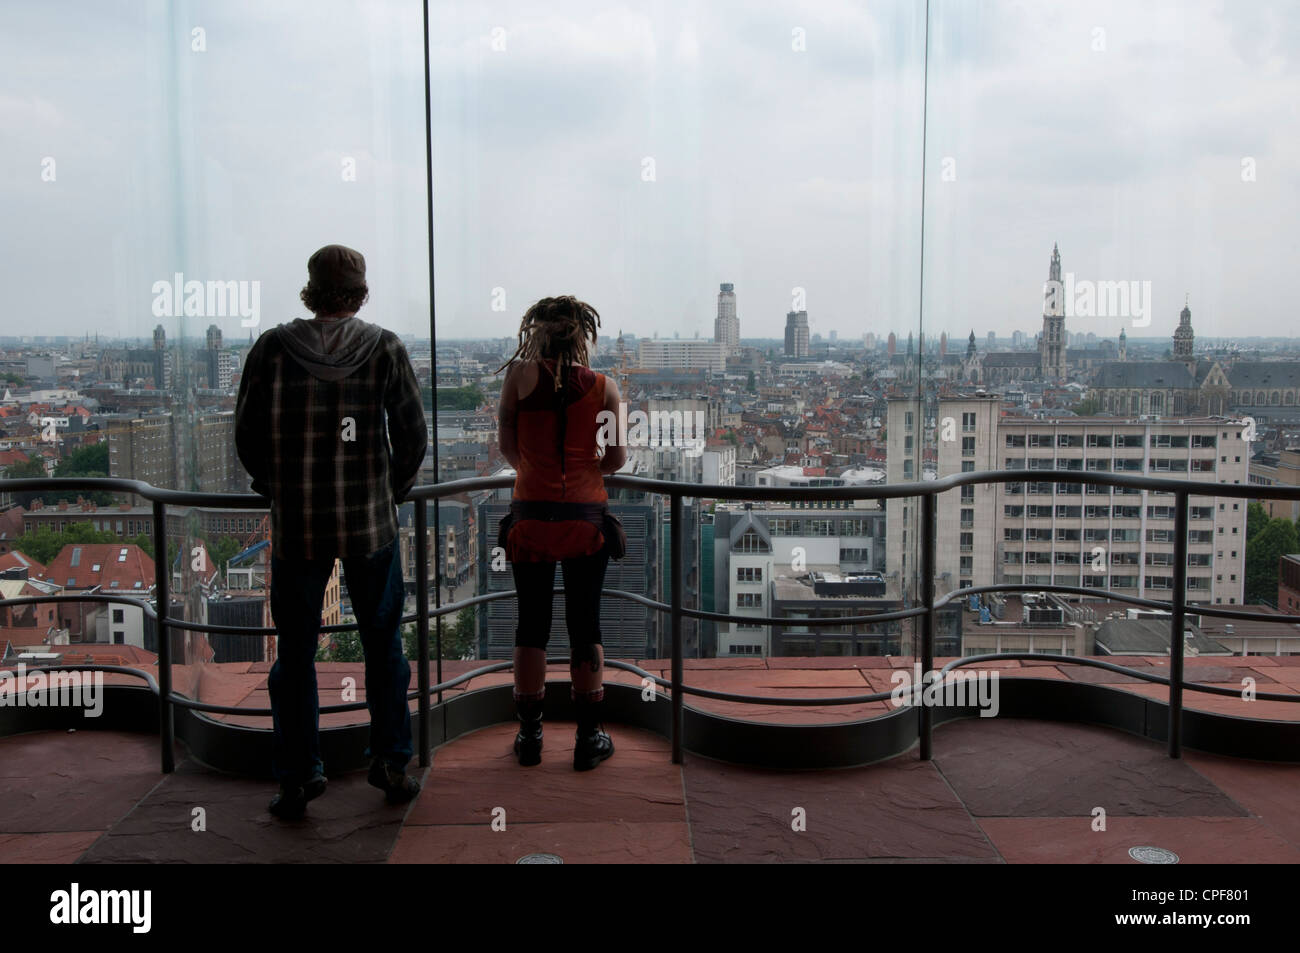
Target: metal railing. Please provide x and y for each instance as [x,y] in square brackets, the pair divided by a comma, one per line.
[928,492]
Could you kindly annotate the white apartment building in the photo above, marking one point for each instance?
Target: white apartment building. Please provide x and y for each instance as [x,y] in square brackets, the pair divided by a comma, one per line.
[753,545]
[1119,538]
[689,354]
[1053,532]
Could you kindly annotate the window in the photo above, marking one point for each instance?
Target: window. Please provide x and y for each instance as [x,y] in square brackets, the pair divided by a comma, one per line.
[1015,440]
[1098,440]
[119,616]
[749,574]
[749,600]
[967,446]
[751,542]
[968,423]
[1012,535]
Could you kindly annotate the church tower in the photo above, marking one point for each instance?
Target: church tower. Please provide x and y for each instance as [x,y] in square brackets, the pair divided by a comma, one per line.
[1051,343]
[1123,345]
[1183,338]
[970,345]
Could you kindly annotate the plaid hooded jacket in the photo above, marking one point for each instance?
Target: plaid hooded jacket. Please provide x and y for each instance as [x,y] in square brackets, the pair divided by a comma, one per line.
[310,429]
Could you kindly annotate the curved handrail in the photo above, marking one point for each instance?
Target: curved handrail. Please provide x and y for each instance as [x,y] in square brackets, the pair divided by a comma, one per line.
[927,490]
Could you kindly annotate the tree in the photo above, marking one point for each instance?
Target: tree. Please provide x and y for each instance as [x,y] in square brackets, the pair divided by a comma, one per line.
[342,647]
[33,469]
[750,385]
[90,461]
[1088,407]
[221,551]
[1256,520]
[469,397]
[459,639]
[44,544]
[1276,539]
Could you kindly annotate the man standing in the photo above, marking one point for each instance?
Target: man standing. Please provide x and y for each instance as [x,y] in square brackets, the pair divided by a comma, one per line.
[310,429]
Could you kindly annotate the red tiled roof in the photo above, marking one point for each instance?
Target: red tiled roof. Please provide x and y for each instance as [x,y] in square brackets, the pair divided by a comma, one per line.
[136,567]
[18,560]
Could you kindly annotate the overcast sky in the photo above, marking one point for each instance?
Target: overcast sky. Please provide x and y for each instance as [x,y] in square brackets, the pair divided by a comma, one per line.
[1118,130]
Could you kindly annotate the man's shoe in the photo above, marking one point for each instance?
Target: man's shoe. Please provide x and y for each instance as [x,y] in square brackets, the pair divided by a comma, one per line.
[591,749]
[290,804]
[398,786]
[314,786]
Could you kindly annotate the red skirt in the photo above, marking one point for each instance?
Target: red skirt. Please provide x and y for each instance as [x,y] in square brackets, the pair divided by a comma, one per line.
[548,541]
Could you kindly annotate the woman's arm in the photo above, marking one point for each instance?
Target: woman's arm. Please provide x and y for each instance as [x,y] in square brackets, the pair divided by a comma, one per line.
[615,453]
[507,415]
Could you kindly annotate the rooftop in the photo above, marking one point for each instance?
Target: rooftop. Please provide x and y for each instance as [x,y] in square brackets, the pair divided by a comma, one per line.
[998,790]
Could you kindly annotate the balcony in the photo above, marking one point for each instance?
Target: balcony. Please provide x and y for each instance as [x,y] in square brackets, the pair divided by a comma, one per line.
[715,780]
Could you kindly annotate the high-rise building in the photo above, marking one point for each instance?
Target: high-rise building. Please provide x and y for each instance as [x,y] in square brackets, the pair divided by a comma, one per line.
[1055,532]
[796,334]
[726,326]
[687,354]
[143,449]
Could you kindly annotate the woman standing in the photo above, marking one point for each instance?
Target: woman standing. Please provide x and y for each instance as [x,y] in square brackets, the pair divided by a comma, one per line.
[548,423]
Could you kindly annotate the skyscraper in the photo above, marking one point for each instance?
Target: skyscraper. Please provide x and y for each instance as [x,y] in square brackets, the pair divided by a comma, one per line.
[726,326]
[796,334]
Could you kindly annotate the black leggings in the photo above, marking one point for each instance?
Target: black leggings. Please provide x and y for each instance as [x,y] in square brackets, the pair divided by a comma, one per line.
[583,579]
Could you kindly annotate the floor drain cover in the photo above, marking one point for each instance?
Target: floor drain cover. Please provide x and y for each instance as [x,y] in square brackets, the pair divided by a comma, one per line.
[546,859]
[1153,855]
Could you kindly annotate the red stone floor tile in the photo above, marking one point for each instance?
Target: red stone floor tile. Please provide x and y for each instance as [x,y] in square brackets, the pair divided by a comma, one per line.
[1007,767]
[594,842]
[894,810]
[1196,840]
[61,848]
[474,776]
[58,781]
[351,823]
[1267,790]
[834,661]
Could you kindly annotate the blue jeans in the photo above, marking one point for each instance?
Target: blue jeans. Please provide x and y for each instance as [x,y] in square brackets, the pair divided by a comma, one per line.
[297,595]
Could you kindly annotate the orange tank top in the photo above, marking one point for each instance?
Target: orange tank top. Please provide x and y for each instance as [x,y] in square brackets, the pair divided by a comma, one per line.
[540,475]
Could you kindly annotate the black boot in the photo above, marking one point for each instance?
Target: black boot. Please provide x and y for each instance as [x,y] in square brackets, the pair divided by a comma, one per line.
[592,745]
[528,743]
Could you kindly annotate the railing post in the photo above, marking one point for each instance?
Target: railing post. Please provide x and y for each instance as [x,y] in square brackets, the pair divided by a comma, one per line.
[675,542]
[422,624]
[161,569]
[929,504]
[1176,627]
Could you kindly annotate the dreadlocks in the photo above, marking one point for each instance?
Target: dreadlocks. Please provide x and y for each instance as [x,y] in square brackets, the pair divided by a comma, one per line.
[558,328]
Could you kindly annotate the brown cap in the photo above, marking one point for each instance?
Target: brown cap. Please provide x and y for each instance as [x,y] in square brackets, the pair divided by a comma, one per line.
[337,266]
